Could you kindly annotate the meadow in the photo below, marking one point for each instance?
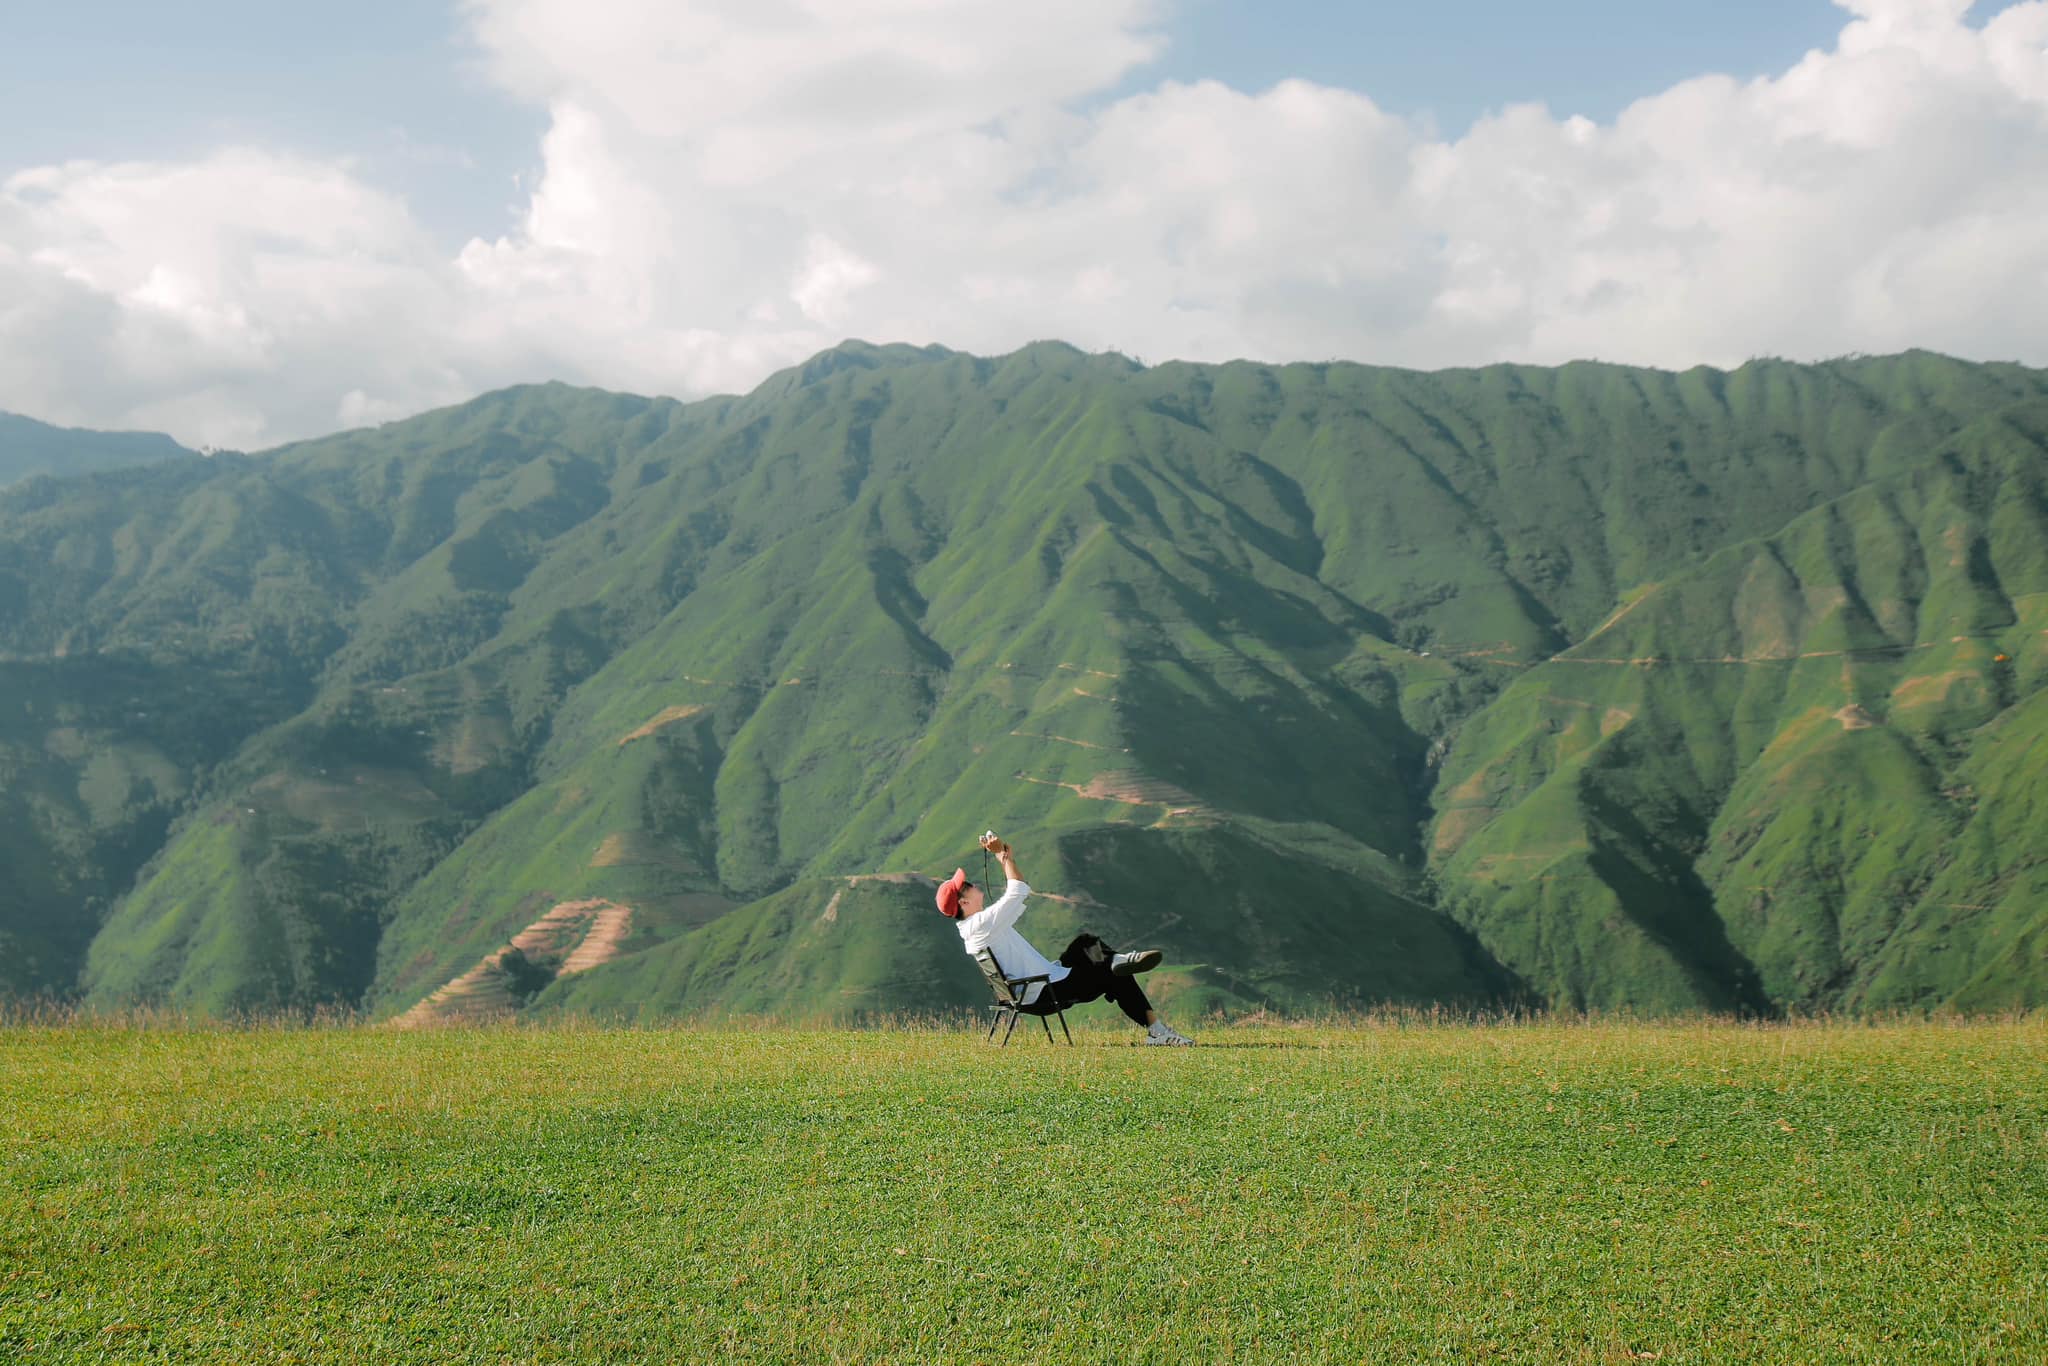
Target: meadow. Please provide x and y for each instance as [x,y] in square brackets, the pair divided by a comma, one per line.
[1391,1188]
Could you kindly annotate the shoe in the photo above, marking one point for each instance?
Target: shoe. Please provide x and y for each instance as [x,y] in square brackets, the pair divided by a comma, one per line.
[1130,964]
[1167,1036]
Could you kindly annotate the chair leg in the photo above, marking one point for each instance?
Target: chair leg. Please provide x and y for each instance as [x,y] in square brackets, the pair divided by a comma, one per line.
[1011,1030]
[994,1020]
[1063,1029]
[1048,1027]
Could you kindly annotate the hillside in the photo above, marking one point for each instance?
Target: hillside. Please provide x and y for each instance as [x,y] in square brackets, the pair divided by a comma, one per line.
[1593,685]
[29,448]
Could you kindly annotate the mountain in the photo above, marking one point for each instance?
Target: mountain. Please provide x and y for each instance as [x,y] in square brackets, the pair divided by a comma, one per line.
[1593,685]
[29,448]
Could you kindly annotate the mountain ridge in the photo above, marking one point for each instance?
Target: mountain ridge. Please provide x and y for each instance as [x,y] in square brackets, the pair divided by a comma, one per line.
[1231,639]
[29,449]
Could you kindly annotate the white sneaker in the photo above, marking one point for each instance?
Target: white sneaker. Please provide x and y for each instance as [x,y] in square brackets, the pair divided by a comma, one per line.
[1165,1034]
[1128,964]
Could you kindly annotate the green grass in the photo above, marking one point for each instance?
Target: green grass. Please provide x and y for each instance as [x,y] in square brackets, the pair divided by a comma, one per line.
[1393,1190]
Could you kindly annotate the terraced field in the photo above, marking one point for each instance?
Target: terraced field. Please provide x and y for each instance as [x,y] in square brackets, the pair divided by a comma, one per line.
[572,937]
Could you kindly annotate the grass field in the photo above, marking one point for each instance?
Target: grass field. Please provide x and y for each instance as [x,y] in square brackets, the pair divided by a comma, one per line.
[1391,1190]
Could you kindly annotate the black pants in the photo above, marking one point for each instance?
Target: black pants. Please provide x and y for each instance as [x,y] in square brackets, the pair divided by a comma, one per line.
[1089,979]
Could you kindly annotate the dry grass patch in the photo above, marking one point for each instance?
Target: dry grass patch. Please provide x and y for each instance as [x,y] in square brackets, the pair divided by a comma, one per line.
[668,716]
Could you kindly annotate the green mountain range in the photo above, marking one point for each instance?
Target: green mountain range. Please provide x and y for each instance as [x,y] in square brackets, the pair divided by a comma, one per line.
[1589,686]
[29,448]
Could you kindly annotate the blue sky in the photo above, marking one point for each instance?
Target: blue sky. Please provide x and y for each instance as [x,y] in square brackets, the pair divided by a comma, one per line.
[394,84]
[1452,61]
[245,222]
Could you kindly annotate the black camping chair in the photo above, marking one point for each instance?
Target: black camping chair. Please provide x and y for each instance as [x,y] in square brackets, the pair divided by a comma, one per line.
[1010,1000]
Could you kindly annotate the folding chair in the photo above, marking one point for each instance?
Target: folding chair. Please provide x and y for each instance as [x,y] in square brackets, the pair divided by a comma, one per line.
[1010,1000]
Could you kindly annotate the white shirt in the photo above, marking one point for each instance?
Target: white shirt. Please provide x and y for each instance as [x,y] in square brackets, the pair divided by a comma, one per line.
[994,927]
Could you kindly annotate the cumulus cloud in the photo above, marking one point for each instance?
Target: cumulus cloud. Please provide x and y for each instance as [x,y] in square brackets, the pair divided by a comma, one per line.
[220,299]
[729,185]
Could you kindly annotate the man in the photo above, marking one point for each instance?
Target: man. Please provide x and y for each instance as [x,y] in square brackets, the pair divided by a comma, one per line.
[1088,969]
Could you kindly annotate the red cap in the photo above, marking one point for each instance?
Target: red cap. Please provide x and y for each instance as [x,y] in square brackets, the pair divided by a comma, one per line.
[949,893]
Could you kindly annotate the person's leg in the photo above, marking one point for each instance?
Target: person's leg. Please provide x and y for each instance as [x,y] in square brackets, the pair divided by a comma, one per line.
[1082,983]
[1090,977]
[1130,998]
[1057,996]
[1088,948]
[1086,951]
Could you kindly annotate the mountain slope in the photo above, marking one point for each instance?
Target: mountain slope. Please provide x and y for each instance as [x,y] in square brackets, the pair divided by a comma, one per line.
[1331,680]
[1793,770]
[29,448]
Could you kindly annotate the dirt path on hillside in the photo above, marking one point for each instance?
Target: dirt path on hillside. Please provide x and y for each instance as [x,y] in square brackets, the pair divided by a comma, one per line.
[668,716]
[1490,655]
[1132,789]
[1070,740]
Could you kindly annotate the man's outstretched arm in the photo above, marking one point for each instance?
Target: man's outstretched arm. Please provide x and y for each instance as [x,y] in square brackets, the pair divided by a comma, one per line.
[1011,904]
[1005,855]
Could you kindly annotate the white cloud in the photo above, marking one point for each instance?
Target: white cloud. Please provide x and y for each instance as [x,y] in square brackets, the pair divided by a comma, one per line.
[745,90]
[829,278]
[726,187]
[220,299]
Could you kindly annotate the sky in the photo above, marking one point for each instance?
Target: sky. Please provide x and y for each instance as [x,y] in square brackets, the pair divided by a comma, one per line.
[245,223]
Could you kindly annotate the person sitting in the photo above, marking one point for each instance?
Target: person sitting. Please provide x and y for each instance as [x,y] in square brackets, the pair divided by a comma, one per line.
[1088,969]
